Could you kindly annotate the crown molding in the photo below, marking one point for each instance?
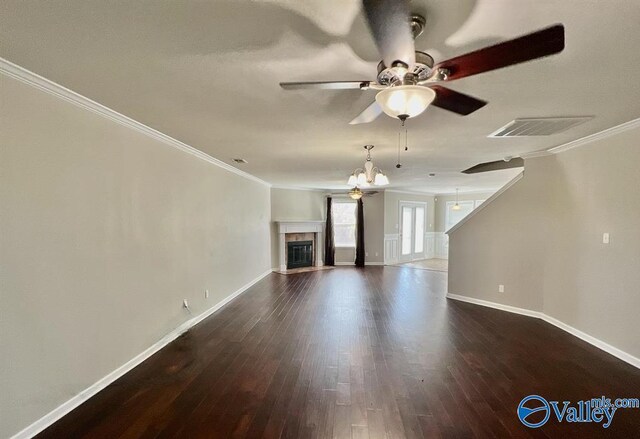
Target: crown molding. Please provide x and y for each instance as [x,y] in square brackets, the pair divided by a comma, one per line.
[634,123]
[617,129]
[474,192]
[398,191]
[298,188]
[535,154]
[25,76]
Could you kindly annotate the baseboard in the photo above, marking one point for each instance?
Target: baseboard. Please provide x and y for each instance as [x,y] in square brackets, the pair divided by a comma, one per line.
[96,387]
[353,264]
[500,306]
[622,355]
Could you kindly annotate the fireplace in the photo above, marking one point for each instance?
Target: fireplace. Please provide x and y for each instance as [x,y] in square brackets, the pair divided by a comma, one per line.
[299,254]
[300,244]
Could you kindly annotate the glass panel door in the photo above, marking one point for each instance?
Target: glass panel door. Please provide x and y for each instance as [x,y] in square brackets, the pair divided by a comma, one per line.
[419,228]
[407,230]
[412,229]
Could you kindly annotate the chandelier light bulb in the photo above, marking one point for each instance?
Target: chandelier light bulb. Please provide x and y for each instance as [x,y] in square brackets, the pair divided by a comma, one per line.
[381,179]
[361,179]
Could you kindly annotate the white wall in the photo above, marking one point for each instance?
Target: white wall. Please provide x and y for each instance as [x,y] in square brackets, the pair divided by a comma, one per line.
[103,232]
[542,239]
[294,205]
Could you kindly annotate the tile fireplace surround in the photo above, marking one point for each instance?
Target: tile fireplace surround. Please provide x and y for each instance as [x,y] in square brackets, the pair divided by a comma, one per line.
[300,227]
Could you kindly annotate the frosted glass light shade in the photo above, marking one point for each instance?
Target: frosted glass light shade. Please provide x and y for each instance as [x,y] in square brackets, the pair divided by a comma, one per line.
[405,100]
[362,179]
[353,180]
[456,207]
[381,179]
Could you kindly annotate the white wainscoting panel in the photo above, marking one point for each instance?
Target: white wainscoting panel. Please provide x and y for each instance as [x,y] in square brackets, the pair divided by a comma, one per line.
[391,249]
[430,245]
[441,245]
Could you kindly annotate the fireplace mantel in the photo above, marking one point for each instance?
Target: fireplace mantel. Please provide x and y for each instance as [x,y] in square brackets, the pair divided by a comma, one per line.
[293,226]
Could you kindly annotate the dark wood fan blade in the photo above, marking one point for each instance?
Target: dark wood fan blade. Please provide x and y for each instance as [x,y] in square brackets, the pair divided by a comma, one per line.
[538,44]
[320,85]
[456,102]
[391,29]
[369,114]
[515,162]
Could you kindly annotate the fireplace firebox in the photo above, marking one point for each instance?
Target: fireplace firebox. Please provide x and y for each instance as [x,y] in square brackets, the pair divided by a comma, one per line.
[299,254]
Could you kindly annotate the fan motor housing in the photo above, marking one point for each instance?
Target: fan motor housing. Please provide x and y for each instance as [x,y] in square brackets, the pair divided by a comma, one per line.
[392,75]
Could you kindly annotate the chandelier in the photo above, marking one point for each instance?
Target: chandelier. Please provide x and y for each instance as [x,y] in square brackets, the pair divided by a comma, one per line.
[369,175]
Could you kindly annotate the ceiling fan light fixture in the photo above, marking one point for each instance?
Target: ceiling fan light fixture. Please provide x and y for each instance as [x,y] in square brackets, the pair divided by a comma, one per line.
[355,193]
[405,101]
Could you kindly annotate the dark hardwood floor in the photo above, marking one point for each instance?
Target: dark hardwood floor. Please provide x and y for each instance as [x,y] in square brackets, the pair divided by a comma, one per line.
[375,352]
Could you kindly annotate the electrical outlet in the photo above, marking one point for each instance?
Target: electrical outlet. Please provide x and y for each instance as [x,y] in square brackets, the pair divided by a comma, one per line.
[605,238]
[185,304]
[206,294]
[376,254]
[500,288]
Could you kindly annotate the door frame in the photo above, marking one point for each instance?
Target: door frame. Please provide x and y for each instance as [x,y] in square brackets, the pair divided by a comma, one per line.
[411,256]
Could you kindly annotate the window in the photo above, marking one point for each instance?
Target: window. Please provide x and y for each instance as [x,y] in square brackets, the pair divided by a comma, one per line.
[479,202]
[344,224]
[454,216]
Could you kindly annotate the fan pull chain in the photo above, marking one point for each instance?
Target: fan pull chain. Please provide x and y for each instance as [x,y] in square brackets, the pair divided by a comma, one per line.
[406,142]
[398,165]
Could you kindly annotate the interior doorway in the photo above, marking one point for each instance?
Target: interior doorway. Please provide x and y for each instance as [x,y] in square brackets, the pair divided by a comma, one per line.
[413,216]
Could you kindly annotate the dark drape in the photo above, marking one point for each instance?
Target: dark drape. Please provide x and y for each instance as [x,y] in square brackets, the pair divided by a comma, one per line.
[360,234]
[329,245]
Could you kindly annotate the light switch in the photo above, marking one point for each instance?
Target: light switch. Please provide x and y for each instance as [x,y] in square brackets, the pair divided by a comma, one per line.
[605,238]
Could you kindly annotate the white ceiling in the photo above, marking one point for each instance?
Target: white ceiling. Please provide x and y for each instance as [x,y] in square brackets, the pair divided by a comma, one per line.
[207,73]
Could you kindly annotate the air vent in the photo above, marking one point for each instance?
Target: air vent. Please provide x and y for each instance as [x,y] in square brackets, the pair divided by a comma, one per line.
[240,160]
[538,126]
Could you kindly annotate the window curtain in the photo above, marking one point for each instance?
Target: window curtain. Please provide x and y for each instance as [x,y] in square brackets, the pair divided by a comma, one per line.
[329,245]
[360,234]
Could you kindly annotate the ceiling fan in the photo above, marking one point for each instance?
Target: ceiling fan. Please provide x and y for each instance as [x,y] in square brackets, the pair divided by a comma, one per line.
[356,193]
[409,81]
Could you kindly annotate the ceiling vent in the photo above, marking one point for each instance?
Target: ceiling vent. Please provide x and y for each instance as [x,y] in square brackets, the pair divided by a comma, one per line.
[538,126]
[240,160]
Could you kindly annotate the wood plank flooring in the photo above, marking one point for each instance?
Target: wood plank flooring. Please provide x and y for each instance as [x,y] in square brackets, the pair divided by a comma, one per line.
[356,353]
